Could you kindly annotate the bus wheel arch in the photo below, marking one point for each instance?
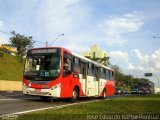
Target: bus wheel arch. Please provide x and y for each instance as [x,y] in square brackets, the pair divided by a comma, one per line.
[75,94]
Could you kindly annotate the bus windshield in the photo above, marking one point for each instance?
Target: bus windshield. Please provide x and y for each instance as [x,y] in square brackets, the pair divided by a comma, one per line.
[42,66]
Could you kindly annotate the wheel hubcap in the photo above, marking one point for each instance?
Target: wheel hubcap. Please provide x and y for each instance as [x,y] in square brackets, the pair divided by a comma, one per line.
[75,94]
[104,94]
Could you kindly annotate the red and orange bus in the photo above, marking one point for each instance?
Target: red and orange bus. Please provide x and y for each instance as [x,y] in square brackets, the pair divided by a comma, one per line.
[59,73]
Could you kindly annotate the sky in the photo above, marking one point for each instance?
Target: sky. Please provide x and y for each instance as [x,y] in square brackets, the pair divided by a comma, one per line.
[124,28]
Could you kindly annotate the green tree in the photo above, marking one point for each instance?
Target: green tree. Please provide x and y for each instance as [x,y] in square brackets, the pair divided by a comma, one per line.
[1,54]
[119,76]
[21,42]
[105,60]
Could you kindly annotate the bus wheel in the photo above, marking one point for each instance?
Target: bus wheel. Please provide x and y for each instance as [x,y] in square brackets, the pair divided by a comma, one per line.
[75,95]
[104,94]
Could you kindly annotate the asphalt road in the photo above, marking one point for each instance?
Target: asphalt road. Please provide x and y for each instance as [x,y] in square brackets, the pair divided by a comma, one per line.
[11,103]
[17,102]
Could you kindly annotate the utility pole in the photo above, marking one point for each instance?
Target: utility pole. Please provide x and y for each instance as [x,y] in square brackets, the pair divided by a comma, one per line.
[158,83]
[131,80]
[46,43]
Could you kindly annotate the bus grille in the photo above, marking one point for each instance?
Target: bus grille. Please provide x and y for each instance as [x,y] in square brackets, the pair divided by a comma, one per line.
[38,93]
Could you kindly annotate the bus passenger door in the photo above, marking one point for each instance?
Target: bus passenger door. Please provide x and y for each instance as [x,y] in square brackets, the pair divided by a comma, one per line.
[92,81]
[83,76]
[96,81]
[66,90]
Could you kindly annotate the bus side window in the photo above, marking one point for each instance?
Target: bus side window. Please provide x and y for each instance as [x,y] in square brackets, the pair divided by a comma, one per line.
[97,73]
[107,74]
[83,70]
[76,65]
[67,64]
[111,75]
[102,73]
[89,69]
[93,70]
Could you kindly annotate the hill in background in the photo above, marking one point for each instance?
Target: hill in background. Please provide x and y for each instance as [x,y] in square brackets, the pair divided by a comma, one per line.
[11,68]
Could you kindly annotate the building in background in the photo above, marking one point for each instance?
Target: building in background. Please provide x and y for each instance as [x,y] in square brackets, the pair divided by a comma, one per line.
[97,54]
[9,49]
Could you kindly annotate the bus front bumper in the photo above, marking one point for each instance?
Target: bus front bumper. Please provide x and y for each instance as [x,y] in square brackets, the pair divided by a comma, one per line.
[52,92]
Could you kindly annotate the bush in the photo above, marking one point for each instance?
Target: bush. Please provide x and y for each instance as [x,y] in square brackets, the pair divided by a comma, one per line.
[1,53]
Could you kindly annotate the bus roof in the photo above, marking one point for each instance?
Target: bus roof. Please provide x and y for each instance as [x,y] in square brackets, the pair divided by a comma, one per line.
[77,55]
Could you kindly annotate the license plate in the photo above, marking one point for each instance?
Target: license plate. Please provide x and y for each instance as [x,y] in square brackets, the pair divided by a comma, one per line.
[37,90]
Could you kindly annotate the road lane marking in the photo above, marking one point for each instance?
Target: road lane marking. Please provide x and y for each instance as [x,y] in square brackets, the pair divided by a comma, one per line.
[8,99]
[17,99]
[54,107]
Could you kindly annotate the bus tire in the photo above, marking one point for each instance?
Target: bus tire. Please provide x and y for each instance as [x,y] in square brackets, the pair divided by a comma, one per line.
[104,94]
[75,95]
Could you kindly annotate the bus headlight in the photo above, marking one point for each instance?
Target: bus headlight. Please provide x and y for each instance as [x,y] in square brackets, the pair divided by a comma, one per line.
[29,84]
[56,86]
[25,85]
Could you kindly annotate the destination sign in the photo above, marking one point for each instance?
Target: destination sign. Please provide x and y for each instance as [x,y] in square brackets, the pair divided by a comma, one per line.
[39,51]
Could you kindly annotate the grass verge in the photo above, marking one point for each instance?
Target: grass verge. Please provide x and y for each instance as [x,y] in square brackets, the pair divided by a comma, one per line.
[133,107]
[11,68]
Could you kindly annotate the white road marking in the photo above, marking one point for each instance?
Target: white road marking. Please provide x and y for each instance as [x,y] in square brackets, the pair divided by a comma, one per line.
[54,107]
[8,99]
[17,99]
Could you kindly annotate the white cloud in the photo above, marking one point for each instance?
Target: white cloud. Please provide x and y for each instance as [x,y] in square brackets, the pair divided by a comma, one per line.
[145,63]
[137,68]
[130,66]
[77,43]
[122,24]
[155,58]
[119,56]
[57,17]
[115,26]
[138,63]
[1,23]
[3,41]
[136,71]
[143,58]
[67,17]
[78,48]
